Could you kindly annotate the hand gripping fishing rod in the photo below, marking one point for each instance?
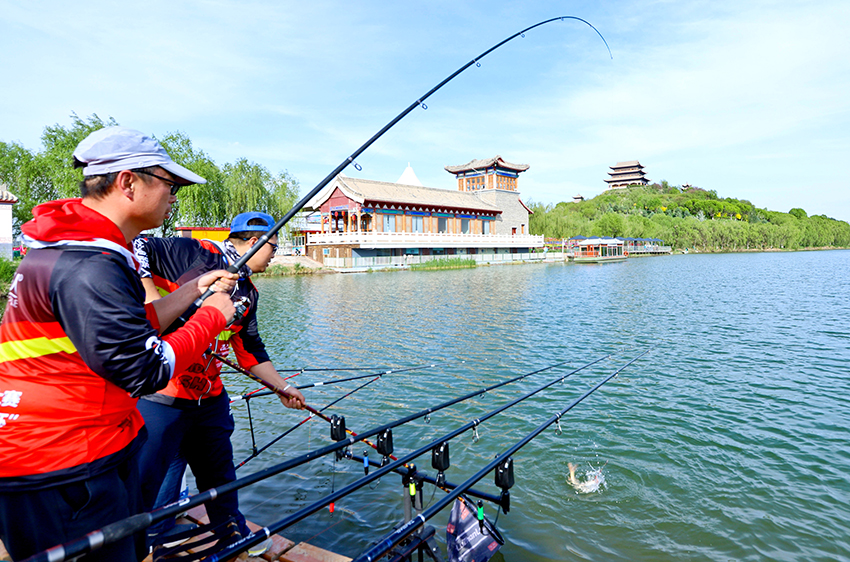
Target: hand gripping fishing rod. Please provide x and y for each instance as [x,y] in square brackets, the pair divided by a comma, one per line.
[130,525]
[261,534]
[234,268]
[398,535]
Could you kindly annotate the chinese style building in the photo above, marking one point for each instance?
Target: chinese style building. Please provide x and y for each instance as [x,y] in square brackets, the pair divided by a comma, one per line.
[360,219]
[624,174]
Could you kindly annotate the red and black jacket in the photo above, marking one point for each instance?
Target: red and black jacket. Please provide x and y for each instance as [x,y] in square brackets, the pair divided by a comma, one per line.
[170,262]
[77,347]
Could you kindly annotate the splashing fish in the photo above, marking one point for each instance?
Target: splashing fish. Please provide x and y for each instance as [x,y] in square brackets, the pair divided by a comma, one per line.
[594,479]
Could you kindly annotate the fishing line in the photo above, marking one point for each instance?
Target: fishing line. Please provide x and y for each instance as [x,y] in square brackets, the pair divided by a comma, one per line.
[314,370]
[259,536]
[402,532]
[420,102]
[302,422]
[310,408]
[126,527]
[337,381]
[94,540]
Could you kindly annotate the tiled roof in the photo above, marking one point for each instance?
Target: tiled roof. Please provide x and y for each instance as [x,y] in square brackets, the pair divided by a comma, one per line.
[366,191]
[6,196]
[629,164]
[483,164]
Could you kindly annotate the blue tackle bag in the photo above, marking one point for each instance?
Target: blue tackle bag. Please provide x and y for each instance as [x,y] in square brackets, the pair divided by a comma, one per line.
[465,542]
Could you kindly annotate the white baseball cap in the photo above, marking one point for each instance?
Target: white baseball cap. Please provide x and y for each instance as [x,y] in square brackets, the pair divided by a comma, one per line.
[113,149]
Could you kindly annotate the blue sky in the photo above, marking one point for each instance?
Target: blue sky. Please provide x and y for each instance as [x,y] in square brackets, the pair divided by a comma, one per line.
[749,99]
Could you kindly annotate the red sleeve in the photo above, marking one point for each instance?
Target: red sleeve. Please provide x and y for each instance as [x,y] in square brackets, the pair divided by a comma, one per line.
[190,341]
[246,360]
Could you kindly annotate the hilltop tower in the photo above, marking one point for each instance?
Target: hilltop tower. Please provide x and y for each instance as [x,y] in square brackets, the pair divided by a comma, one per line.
[624,174]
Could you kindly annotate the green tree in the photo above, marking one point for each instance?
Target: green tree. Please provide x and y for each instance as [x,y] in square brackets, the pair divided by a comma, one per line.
[610,224]
[49,174]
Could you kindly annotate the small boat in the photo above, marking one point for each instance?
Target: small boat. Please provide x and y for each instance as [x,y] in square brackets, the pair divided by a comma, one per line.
[599,250]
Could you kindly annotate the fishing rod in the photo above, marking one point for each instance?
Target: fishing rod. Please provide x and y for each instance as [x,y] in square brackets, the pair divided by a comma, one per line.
[315,370]
[410,527]
[256,394]
[420,102]
[130,525]
[377,376]
[261,534]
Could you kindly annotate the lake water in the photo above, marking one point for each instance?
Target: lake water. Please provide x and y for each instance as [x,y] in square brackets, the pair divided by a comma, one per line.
[729,441]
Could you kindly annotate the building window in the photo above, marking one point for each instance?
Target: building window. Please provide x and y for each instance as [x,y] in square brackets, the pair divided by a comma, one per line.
[485,227]
[389,223]
[442,224]
[417,224]
[464,226]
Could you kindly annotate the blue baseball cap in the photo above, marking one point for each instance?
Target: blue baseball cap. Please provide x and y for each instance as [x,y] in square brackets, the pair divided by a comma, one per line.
[113,149]
[240,222]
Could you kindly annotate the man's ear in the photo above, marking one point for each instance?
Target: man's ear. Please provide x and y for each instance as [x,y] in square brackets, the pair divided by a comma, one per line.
[252,240]
[125,182]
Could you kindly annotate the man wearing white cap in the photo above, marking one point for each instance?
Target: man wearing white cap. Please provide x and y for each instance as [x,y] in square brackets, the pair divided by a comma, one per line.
[78,346]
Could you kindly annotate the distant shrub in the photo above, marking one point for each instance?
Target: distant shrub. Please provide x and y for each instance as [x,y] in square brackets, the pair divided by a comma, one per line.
[7,271]
[445,263]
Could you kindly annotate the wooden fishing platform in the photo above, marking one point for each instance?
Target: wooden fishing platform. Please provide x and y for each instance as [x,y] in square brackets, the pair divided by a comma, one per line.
[282,549]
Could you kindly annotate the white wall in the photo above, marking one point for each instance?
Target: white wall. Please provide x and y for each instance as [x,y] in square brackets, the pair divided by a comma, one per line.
[6,241]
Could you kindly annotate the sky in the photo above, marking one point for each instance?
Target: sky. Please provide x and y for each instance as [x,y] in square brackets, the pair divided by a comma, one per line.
[749,99]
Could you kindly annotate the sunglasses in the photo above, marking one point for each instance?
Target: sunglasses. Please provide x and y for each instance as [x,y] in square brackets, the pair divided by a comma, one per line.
[273,246]
[174,187]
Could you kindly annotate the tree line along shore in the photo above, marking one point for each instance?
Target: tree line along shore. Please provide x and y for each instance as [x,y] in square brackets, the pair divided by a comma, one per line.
[688,218]
[685,218]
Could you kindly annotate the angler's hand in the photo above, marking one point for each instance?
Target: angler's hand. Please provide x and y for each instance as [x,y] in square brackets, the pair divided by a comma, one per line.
[293,398]
[220,281]
[222,302]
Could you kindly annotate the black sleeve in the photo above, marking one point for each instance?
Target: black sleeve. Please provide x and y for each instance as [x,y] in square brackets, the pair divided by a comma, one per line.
[250,332]
[98,300]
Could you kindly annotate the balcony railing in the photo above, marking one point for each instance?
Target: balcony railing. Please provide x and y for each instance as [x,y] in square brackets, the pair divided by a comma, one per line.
[426,240]
[380,262]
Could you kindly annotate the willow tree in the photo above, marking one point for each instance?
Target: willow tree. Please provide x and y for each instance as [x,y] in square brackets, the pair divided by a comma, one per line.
[251,187]
[50,174]
[199,204]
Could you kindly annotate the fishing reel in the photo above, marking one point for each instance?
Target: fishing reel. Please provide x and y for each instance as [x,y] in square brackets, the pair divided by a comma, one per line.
[241,305]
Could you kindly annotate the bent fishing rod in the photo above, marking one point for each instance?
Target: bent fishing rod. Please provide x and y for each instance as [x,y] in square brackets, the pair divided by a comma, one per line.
[121,529]
[420,102]
[262,534]
[391,539]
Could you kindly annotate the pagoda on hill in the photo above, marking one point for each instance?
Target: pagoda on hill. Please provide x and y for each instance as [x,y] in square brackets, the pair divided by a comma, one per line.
[624,174]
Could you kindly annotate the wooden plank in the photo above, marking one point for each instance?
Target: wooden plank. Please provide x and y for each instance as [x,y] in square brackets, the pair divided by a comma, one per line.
[303,552]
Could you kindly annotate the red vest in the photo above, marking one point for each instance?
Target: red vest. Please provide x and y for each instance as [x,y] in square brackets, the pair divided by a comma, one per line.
[55,412]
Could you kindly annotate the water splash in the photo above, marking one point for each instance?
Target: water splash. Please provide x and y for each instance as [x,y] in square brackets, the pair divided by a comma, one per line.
[594,479]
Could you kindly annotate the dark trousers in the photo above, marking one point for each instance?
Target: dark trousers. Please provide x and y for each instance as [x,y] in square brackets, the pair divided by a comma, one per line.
[31,522]
[201,436]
